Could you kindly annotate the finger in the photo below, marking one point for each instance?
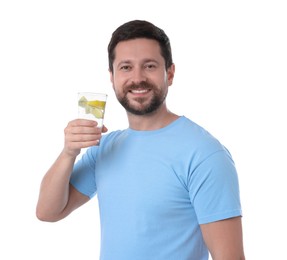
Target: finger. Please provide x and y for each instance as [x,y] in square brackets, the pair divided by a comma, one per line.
[84,122]
[74,148]
[104,129]
[84,130]
[83,144]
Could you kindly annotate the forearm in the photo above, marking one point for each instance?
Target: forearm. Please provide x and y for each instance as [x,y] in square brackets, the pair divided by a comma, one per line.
[54,190]
[228,257]
[224,239]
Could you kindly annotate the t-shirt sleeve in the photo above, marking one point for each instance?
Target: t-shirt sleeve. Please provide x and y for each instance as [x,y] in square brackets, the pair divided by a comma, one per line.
[83,175]
[214,188]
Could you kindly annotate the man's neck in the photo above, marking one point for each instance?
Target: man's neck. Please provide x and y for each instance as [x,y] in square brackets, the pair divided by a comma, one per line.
[153,121]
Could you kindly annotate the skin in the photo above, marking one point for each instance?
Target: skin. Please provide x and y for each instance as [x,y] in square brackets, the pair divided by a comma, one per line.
[136,61]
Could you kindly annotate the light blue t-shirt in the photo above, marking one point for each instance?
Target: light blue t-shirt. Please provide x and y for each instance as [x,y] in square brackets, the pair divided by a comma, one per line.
[154,189]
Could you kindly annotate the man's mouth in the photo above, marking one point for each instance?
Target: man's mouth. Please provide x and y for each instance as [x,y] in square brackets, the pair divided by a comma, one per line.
[139,91]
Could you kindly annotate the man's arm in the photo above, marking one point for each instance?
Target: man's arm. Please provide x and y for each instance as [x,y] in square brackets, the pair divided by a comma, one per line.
[224,239]
[57,198]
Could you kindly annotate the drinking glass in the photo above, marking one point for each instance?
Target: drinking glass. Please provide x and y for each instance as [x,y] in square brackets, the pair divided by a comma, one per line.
[92,106]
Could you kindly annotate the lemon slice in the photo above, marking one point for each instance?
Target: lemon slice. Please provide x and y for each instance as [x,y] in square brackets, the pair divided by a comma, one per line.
[94,107]
[97,112]
[97,103]
[82,102]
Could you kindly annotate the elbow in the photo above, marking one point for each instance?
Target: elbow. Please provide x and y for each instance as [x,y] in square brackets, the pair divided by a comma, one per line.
[45,216]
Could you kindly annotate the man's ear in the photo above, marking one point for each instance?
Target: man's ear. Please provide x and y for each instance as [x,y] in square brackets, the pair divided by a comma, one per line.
[170,74]
[111,77]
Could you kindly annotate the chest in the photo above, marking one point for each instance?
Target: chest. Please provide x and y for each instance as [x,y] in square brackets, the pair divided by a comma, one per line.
[141,179]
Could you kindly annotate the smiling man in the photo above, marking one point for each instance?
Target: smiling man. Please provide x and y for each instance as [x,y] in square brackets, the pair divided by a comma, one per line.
[167,189]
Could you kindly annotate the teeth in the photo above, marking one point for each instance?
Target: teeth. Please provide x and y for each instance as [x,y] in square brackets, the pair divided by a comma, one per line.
[139,91]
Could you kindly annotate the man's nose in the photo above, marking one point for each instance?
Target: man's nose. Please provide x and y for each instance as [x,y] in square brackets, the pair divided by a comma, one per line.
[138,76]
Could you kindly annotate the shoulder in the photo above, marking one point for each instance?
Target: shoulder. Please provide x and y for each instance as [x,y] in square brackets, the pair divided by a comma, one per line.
[200,139]
[112,138]
[113,135]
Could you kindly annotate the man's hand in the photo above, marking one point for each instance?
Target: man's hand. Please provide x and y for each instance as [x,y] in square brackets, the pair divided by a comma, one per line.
[81,133]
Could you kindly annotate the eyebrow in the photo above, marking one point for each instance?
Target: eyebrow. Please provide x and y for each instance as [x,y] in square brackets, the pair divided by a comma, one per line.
[130,61]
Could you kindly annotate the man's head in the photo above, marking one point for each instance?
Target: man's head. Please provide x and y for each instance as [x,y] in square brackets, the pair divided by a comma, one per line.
[140,29]
[141,67]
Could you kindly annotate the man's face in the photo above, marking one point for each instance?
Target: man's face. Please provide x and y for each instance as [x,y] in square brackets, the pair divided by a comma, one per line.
[140,79]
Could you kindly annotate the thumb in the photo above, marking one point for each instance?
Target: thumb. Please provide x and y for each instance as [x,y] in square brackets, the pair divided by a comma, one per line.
[104,129]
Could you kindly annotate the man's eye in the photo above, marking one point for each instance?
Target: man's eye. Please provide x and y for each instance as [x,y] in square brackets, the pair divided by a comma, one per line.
[125,67]
[150,66]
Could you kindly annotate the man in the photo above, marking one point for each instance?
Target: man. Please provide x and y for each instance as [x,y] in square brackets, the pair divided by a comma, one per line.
[167,189]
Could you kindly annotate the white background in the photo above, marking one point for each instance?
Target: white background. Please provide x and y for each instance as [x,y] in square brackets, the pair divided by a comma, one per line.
[231,66]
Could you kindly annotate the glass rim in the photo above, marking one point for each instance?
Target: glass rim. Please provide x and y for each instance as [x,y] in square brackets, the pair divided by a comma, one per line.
[92,93]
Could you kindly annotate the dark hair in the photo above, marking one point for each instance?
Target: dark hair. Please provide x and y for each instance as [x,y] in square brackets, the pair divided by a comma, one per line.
[140,29]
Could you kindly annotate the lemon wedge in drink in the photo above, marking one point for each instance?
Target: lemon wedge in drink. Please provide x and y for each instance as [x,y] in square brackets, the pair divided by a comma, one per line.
[82,102]
[94,107]
[97,103]
[97,112]
[97,108]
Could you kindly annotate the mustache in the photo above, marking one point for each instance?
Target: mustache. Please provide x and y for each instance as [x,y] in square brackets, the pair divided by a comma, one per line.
[141,85]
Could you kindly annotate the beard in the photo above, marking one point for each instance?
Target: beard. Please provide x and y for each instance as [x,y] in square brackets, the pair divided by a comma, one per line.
[142,107]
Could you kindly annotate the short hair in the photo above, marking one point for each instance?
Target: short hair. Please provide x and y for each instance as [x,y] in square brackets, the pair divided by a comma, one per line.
[140,29]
